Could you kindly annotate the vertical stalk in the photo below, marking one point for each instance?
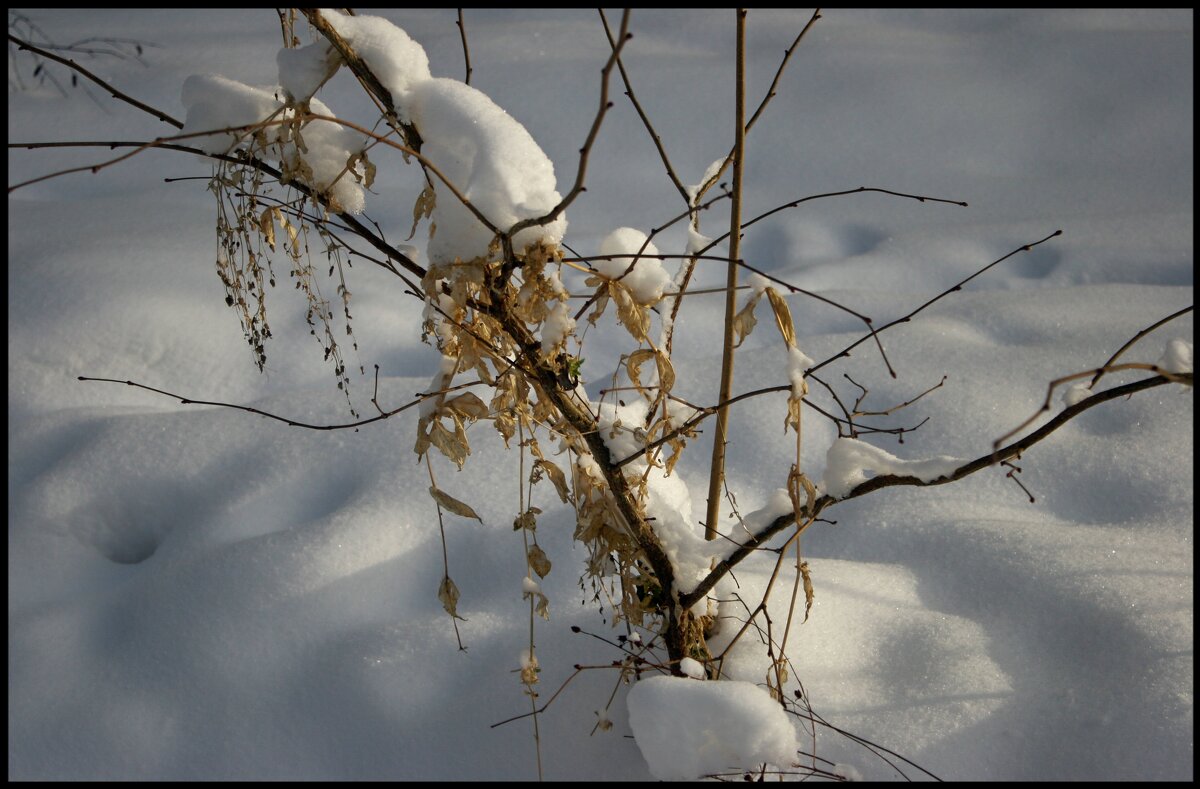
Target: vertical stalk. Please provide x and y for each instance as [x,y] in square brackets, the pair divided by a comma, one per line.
[717,470]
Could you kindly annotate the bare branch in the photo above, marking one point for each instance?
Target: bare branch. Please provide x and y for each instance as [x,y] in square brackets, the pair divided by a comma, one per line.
[956,287]
[462,30]
[585,151]
[1104,367]
[637,106]
[892,480]
[290,422]
[116,94]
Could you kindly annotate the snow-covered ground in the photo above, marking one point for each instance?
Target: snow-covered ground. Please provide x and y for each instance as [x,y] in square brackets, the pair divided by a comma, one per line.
[199,593]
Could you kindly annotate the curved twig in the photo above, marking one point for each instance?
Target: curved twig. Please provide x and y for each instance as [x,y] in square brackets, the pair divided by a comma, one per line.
[116,94]
[893,480]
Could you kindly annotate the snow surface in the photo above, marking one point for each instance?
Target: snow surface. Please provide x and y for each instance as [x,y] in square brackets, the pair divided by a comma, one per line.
[198,593]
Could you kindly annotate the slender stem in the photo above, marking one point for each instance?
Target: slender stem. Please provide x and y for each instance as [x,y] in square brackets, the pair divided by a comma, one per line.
[717,469]
[462,31]
[116,94]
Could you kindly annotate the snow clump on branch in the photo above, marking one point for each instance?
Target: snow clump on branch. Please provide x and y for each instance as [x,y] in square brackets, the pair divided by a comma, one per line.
[489,157]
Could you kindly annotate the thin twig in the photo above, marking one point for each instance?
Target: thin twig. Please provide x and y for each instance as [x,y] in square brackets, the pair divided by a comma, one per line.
[891,480]
[637,106]
[1104,367]
[462,30]
[286,420]
[585,151]
[905,319]
[116,94]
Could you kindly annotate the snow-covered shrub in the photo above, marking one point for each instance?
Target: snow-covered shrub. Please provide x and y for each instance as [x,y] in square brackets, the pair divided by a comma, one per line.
[494,279]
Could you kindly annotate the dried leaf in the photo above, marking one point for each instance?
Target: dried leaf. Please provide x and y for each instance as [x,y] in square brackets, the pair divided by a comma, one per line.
[542,608]
[666,373]
[809,594]
[601,305]
[633,316]
[538,561]
[541,605]
[783,317]
[676,445]
[369,179]
[744,323]
[792,417]
[448,594]
[453,445]
[468,405]
[267,227]
[422,445]
[634,367]
[453,504]
[527,519]
[556,476]
[422,209]
[796,482]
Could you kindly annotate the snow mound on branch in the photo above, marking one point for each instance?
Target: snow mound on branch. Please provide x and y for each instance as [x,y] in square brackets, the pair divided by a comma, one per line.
[850,462]
[648,278]
[687,729]
[215,102]
[492,160]
[1176,357]
[302,71]
[487,155]
[394,58]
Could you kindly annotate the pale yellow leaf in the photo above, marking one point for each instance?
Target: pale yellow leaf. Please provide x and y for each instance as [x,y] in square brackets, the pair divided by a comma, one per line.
[666,372]
[453,504]
[448,594]
[783,317]
[556,476]
[634,366]
[809,594]
[422,209]
[468,405]
[267,227]
[744,323]
[633,316]
[453,445]
[792,417]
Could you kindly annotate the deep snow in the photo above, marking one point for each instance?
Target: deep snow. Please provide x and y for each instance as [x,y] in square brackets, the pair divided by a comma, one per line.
[198,593]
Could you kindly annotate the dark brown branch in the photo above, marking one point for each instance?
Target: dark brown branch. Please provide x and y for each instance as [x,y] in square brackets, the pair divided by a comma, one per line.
[637,106]
[462,30]
[893,480]
[763,104]
[1135,338]
[353,61]
[116,94]
[290,422]
[351,222]
[585,151]
[1175,377]
[954,288]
